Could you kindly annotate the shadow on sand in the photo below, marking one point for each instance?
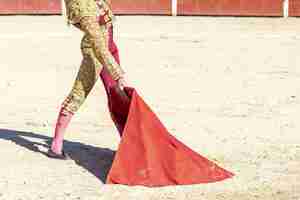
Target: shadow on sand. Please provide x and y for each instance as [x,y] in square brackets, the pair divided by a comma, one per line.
[96,160]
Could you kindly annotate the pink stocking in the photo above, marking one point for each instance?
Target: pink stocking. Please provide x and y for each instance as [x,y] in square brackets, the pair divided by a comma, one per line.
[63,120]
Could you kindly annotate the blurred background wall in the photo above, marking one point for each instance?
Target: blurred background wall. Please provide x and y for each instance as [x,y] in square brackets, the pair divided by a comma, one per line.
[166,7]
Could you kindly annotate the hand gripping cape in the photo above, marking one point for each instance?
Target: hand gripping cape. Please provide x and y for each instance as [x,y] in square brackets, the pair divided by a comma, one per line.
[148,154]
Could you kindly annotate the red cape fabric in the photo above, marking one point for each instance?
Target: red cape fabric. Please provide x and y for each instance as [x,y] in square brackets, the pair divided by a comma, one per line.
[148,154]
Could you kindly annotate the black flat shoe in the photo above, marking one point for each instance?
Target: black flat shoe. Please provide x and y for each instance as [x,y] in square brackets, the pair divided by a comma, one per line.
[63,156]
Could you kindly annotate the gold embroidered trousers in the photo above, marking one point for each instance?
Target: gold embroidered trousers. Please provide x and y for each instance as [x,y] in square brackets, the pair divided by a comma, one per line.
[94,18]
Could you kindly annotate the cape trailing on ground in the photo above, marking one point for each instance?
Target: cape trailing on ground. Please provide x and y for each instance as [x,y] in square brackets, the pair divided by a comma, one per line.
[148,154]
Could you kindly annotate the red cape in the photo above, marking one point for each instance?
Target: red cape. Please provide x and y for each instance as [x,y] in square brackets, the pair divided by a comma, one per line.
[148,154]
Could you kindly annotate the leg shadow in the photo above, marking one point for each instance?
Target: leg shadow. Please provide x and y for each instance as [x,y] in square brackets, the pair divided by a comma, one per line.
[96,160]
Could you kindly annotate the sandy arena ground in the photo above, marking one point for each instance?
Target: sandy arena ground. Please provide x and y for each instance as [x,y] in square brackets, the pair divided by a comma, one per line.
[227,87]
